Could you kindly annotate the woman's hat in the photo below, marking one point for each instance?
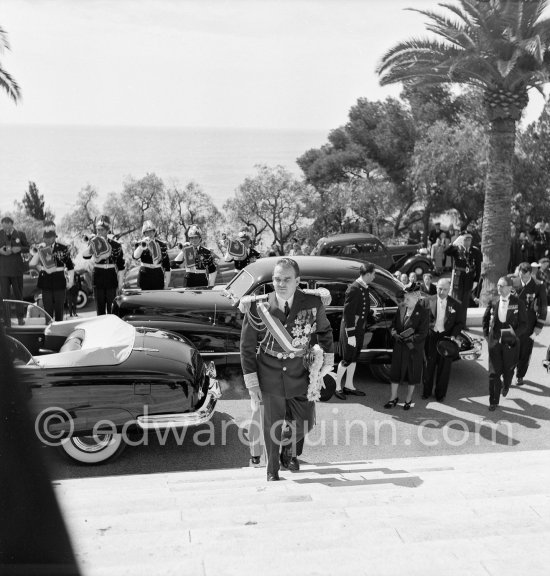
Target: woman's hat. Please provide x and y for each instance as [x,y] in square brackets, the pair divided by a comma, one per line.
[148,226]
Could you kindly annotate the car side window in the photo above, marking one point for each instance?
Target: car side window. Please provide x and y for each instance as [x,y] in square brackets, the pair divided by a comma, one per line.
[337,291]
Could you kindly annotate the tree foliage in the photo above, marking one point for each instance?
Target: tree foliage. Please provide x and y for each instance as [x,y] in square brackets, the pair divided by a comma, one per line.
[7,82]
[34,204]
[273,201]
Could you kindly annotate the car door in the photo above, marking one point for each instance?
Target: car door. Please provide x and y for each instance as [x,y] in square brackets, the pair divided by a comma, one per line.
[25,322]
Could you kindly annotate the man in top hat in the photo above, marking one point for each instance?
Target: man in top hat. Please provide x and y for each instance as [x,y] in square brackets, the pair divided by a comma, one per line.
[13,244]
[540,240]
[533,294]
[355,319]
[276,339]
[244,236]
[466,270]
[202,272]
[504,322]
[109,264]
[445,322]
[154,271]
[52,259]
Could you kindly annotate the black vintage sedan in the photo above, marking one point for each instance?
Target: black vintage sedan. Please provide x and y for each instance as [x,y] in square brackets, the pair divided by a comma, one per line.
[110,379]
[211,320]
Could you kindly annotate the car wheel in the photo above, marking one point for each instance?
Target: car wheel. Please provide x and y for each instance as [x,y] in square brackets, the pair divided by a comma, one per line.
[380,372]
[420,270]
[81,299]
[94,449]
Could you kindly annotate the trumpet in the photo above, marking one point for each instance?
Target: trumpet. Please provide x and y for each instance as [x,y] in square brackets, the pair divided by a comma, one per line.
[87,238]
[36,247]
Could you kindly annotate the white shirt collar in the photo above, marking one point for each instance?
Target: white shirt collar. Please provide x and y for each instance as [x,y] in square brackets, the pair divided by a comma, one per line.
[441,302]
[281,301]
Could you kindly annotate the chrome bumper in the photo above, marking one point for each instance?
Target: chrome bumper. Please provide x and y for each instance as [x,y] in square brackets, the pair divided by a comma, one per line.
[203,414]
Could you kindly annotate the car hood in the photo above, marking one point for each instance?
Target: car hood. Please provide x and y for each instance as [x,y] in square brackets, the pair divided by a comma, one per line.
[173,299]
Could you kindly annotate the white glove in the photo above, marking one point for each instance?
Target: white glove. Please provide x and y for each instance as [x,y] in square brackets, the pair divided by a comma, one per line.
[255,397]
[352,341]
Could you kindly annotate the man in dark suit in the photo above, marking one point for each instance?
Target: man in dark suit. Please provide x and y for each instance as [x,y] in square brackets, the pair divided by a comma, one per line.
[466,270]
[13,244]
[353,329]
[504,322]
[533,294]
[445,322]
[276,335]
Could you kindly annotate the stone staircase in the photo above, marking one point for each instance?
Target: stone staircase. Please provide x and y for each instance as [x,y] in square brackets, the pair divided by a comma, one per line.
[483,514]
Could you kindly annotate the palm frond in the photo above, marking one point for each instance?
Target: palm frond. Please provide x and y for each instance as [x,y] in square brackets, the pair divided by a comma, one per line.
[458,12]
[8,84]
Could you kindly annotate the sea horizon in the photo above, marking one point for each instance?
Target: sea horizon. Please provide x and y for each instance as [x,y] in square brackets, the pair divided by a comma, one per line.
[63,159]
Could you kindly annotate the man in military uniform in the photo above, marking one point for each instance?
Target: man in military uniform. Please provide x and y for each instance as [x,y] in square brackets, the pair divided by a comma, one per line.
[543,274]
[353,327]
[202,272]
[540,240]
[251,255]
[53,259]
[466,271]
[13,244]
[154,271]
[445,322]
[504,323]
[276,337]
[533,294]
[109,264]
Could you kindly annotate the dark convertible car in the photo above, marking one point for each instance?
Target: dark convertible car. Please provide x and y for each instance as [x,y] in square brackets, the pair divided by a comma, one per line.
[211,320]
[109,378]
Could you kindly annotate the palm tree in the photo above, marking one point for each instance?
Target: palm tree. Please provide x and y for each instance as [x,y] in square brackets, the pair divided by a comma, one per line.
[503,48]
[6,81]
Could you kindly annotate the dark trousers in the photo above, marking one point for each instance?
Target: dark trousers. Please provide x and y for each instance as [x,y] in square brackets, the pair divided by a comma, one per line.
[436,365]
[54,302]
[15,283]
[502,363]
[463,296]
[195,280]
[298,412]
[151,278]
[104,299]
[525,349]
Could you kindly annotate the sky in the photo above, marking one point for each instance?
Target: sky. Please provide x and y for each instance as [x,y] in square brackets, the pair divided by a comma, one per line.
[288,64]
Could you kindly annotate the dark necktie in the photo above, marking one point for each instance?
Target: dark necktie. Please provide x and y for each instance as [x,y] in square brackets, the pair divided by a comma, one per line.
[287,309]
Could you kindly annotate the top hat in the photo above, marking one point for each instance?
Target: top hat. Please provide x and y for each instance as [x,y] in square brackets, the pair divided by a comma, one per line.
[448,348]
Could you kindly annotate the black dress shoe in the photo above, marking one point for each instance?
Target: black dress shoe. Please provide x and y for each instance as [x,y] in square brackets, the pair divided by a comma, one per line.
[505,391]
[273,477]
[492,407]
[285,457]
[294,464]
[425,396]
[254,461]
[340,395]
[391,403]
[353,392]
[519,382]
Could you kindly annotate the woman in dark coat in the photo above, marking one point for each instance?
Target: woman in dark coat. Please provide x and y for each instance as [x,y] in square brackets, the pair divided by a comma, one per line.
[409,330]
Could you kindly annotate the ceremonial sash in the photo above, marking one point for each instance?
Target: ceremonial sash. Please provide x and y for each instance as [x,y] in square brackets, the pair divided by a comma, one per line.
[154,248]
[276,328]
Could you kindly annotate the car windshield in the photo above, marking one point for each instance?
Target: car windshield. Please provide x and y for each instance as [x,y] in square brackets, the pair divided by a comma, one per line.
[239,286]
[19,355]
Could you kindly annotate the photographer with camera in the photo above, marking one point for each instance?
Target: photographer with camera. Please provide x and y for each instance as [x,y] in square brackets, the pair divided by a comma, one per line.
[154,271]
[409,330]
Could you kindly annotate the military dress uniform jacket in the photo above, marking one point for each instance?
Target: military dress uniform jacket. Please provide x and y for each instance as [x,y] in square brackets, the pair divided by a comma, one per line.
[516,318]
[56,280]
[12,265]
[278,373]
[356,308]
[452,324]
[147,258]
[533,295]
[105,270]
[466,267]
[204,259]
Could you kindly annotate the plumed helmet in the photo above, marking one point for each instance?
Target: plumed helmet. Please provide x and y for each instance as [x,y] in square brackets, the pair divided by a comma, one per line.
[49,229]
[194,231]
[147,226]
[104,222]
[245,234]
